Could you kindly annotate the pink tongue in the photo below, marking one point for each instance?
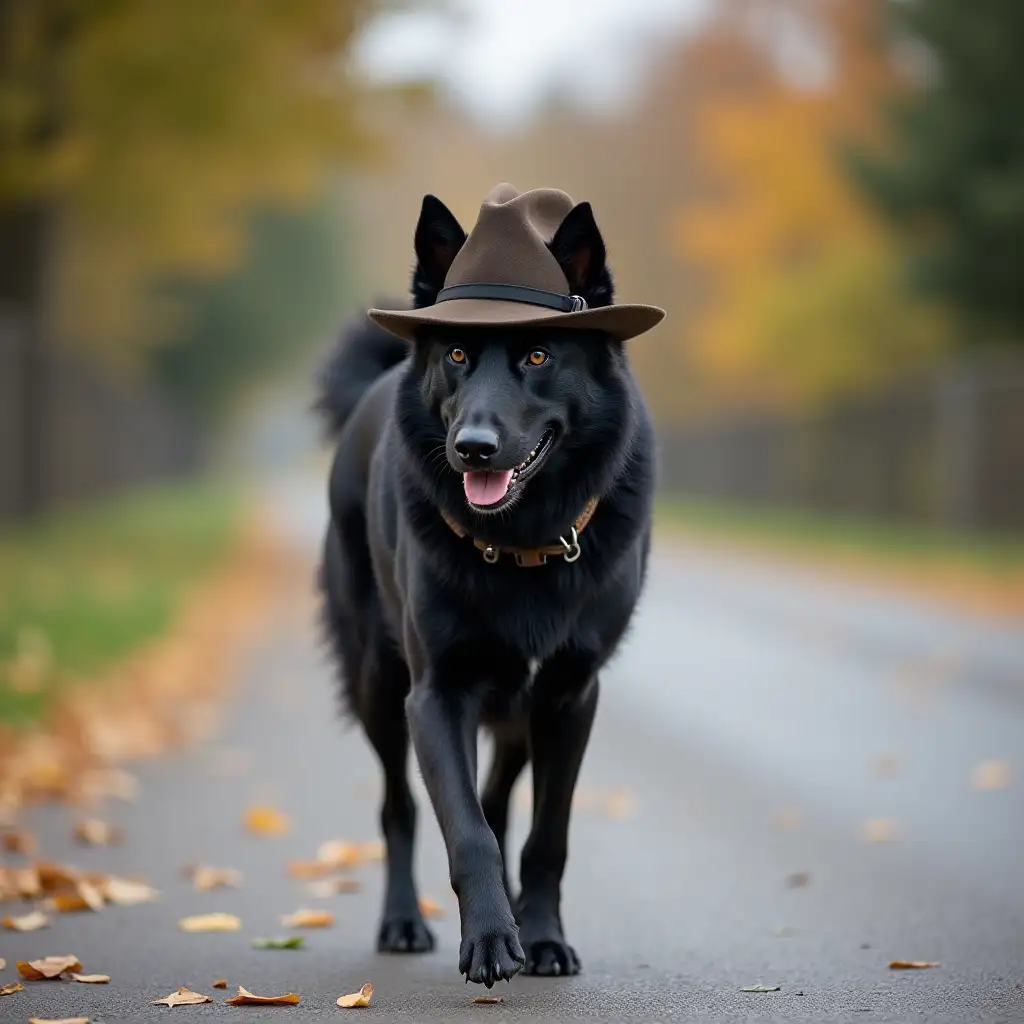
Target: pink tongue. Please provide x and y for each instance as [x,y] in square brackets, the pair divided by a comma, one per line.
[486,488]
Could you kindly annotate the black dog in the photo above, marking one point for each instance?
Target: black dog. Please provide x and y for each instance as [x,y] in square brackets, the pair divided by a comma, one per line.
[507,437]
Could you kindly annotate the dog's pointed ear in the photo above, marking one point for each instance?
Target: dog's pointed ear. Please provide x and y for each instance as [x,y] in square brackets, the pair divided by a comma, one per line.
[579,249]
[437,241]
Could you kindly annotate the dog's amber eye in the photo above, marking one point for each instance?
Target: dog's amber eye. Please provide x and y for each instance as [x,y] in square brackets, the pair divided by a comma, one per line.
[457,355]
[538,357]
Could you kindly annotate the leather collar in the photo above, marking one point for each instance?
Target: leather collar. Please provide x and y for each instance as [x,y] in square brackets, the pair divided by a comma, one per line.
[528,558]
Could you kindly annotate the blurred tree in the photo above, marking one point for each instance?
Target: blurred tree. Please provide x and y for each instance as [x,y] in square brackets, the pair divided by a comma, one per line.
[802,302]
[134,137]
[287,295]
[956,178]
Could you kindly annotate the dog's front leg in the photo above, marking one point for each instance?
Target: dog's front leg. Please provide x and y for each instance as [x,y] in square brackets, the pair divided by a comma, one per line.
[559,731]
[443,727]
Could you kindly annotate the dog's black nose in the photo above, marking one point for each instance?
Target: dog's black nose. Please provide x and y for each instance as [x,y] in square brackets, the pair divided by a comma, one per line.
[476,445]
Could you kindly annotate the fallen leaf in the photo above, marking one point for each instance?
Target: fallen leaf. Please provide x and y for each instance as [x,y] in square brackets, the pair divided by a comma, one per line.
[245,998]
[112,782]
[430,908]
[48,967]
[360,998]
[183,997]
[322,888]
[19,842]
[220,983]
[91,979]
[991,775]
[19,883]
[798,880]
[372,851]
[210,923]
[285,942]
[761,988]
[339,853]
[206,879]
[311,869]
[488,1000]
[93,832]
[51,877]
[3,963]
[263,820]
[84,896]
[11,988]
[619,805]
[30,922]
[911,965]
[306,918]
[879,830]
[125,892]
[58,1020]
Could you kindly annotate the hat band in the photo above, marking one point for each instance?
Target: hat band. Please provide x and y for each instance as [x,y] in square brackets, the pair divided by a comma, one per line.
[514,293]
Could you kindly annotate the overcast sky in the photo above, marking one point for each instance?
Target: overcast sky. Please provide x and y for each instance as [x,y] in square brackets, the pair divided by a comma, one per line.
[500,57]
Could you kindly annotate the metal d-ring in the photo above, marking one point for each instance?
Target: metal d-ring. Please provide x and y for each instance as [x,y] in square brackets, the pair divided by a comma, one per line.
[572,550]
[491,554]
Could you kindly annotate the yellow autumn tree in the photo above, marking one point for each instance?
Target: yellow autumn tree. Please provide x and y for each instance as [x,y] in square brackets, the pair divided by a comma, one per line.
[803,301]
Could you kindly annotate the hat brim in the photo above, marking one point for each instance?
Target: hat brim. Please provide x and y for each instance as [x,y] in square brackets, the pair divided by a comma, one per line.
[621,322]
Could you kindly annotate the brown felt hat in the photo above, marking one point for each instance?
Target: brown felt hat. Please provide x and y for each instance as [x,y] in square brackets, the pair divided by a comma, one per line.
[505,275]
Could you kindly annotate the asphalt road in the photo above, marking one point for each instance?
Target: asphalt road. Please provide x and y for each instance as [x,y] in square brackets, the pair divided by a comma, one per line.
[757,720]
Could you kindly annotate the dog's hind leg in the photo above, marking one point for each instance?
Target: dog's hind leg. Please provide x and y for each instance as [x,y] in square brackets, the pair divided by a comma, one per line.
[382,711]
[511,751]
[559,731]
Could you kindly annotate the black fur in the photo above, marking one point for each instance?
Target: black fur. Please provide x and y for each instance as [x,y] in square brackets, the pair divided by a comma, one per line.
[433,641]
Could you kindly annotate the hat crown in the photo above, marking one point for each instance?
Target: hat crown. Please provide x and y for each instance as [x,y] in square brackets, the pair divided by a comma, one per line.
[508,243]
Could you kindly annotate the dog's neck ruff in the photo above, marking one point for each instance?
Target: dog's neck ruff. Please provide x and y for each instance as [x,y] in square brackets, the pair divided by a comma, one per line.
[529,558]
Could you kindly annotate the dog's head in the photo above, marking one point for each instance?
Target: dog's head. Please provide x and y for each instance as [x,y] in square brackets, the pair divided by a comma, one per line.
[492,412]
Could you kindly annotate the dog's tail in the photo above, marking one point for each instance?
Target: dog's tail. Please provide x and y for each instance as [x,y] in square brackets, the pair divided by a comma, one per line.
[364,352]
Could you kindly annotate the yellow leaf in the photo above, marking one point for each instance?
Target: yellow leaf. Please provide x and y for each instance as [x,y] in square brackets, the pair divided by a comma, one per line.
[323,888]
[58,1020]
[30,922]
[305,918]
[91,979]
[263,820]
[206,879]
[311,868]
[360,998]
[911,965]
[11,988]
[127,893]
[183,997]
[216,922]
[339,853]
[84,896]
[48,967]
[245,998]
[430,908]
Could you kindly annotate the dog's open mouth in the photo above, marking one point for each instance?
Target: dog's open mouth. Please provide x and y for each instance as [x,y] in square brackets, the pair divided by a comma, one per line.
[493,489]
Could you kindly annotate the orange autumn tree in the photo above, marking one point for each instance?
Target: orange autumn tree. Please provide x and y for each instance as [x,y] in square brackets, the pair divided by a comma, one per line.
[803,300]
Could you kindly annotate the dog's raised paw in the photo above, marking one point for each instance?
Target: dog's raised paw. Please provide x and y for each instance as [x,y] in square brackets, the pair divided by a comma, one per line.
[491,956]
[551,958]
[404,935]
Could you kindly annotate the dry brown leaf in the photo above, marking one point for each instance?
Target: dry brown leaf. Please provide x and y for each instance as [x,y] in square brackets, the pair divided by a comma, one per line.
[91,979]
[430,908]
[93,832]
[30,922]
[245,998]
[183,997]
[264,820]
[306,918]
[206,879]
[311,869]
[911,965]
[489,1000]
[19,842]
[48,967]
[84,896]
[12,987]
[339,853]
[19,883]
[126,892]
[879,830]
[58,1020]
[220,983]
[51,877]
[323,888]
[991,775]
[216,922]
[360,998]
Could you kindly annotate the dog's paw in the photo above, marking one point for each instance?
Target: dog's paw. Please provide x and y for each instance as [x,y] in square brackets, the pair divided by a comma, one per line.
[491,954]
[550,957]
[404,935]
